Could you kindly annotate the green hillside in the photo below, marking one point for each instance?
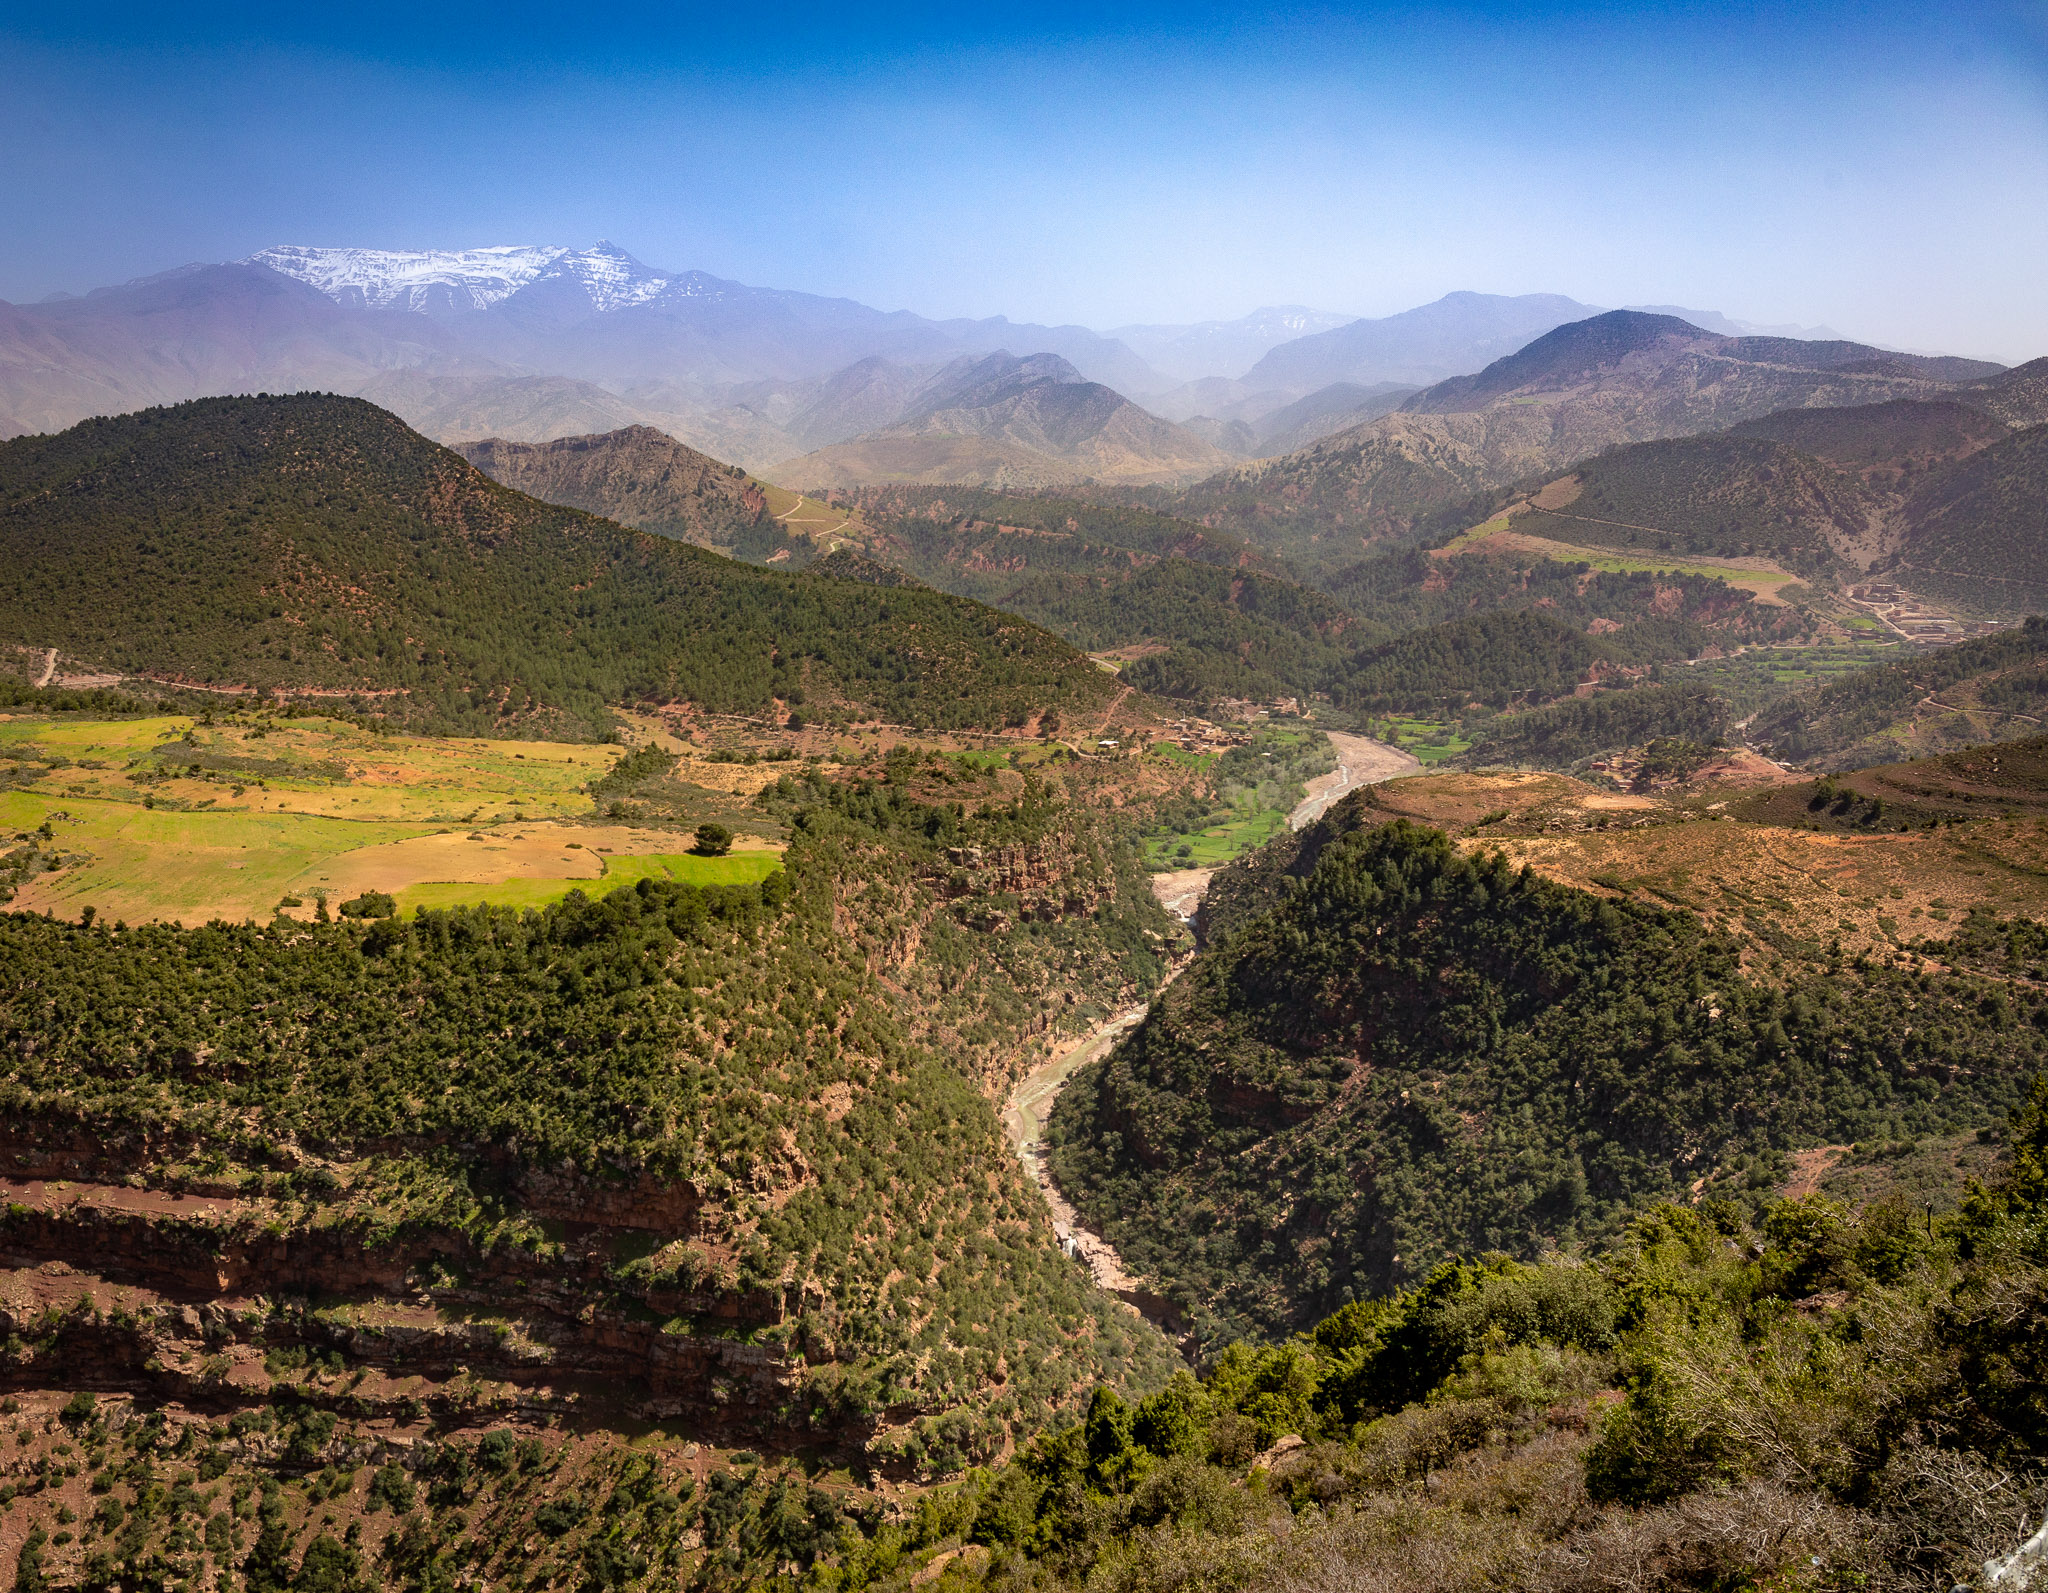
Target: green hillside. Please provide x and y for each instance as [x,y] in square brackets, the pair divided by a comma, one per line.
[1978,532]
[1201,616]
[1496,659]
[1507,658]
[769,1117]
[1994,686]
[1412,1054]
[1722,1397]
[1062,519]
[1721,495]
[1566,732]
[312,543]
[1406,587]
[1883,442]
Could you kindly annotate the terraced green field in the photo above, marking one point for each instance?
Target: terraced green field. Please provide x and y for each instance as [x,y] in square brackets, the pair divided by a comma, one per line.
[1429,741]
[168,818]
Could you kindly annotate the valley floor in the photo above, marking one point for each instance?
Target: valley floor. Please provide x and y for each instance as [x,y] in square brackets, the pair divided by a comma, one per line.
[1360,761]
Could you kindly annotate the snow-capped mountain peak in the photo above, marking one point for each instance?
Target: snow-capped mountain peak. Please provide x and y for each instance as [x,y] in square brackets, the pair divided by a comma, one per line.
[612,277]
[445,280]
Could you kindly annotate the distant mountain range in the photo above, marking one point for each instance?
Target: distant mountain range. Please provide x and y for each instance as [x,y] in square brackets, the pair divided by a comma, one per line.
[1457,333]
[1224,349]
[530,343]
[1008,422]
[1607,381]
[522,343]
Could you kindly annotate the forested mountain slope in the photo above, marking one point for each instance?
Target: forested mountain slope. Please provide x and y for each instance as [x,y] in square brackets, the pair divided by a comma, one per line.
[2019,396]
[637,476]
[1199,615]
[1563,733]
[315,543]
[717,1156]
[1978,529]
[1883,443]
[1720,495]
[1398,1053]
[1406,587]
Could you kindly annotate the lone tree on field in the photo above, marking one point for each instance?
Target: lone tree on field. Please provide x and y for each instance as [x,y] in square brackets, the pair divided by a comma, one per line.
[713,840]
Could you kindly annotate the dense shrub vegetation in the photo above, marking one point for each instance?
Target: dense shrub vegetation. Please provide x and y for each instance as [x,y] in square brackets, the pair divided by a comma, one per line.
[691,1037]
[1580,727]
[315,542]
[1410,1053]
[1030,916]
[1406,587]
[1801,1394]
[1795,1394]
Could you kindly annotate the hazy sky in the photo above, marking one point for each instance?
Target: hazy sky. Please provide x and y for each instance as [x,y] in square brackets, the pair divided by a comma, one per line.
[1880,169]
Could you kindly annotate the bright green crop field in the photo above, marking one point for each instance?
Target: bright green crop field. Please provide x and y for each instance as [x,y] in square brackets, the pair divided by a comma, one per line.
[741,868]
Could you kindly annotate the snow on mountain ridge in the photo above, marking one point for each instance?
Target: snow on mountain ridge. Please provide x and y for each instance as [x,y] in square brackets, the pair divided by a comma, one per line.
[463,279]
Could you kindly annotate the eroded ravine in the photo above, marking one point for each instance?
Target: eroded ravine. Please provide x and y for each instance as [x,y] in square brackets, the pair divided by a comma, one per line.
[1024,1119]
[1360,761]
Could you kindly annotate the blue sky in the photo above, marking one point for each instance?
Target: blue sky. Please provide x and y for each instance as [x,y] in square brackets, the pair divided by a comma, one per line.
[1880,169]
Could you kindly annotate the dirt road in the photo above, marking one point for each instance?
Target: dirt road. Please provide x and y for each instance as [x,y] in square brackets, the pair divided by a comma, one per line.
[1360,761]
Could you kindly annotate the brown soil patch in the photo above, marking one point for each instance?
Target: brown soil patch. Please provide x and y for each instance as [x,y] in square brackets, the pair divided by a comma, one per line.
[1764,884]
[1809,1167]
[534,851]
[1454,801]
[1744,770]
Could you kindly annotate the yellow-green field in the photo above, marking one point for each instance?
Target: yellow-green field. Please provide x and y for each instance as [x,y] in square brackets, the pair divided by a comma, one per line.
[686,868]
[163,818]
[259,764]
[137,863]
[1759,577]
